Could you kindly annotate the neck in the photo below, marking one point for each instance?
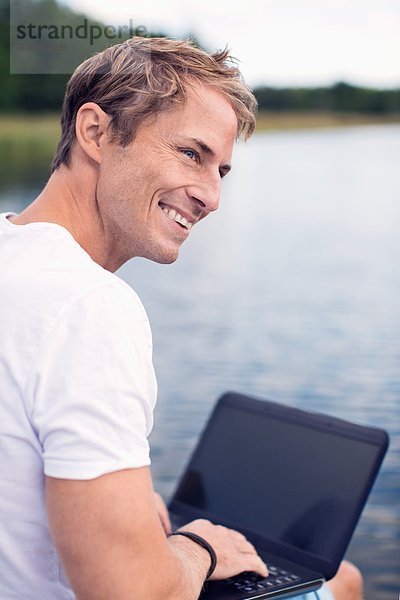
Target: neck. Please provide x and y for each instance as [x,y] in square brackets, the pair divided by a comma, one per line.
[70,201]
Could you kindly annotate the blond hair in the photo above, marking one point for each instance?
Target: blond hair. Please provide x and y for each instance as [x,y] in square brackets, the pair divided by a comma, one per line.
[143,76]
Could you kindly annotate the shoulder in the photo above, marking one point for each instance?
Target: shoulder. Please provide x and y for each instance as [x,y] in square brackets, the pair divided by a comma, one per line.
[112,307]
[54,273]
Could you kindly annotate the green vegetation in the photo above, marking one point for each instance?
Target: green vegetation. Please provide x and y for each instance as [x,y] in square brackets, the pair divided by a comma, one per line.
[31,93]
[37,93]
[341,97]
[42,130]
[279,119]
[27,145]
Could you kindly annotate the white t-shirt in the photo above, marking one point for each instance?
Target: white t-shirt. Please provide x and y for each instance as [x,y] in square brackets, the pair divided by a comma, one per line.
[77,390]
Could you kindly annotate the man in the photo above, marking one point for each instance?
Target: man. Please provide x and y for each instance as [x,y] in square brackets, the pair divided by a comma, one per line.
[148,128]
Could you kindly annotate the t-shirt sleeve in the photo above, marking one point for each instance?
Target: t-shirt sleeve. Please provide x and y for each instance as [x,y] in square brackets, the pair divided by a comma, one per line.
[93,388]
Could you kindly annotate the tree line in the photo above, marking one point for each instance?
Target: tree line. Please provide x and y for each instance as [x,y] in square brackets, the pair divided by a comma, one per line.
[44,92]
[339,97]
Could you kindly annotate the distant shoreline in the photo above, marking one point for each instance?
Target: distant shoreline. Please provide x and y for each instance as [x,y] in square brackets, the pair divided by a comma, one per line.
[283,120]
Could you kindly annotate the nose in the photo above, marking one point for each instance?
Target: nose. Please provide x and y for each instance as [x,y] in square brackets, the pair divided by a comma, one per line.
[206,193]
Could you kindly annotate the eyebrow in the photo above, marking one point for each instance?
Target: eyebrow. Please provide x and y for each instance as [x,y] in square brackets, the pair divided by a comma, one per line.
[207,150]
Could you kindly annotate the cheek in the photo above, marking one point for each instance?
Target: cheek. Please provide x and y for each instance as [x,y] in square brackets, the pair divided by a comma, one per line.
[175,174]
[112,194]
[133,182]
[114,182]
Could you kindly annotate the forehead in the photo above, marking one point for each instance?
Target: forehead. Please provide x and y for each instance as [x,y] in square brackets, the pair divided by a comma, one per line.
[206,114]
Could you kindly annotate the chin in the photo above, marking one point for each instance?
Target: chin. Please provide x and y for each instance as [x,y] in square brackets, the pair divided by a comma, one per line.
[164,256]
[165,260]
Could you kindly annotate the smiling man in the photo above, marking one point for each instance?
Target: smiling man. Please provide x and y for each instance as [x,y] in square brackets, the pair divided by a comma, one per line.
[148,128]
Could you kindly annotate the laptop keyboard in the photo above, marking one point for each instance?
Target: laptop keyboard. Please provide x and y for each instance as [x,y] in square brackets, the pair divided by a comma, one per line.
[251,582]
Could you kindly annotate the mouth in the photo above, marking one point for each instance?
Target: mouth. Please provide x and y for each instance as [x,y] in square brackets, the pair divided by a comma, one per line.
[176,216]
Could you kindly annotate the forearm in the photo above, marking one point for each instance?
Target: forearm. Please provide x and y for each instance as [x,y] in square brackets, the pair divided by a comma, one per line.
[177,571]
[192,568]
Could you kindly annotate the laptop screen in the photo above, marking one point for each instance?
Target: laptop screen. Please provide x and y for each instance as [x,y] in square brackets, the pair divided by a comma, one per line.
[280,478]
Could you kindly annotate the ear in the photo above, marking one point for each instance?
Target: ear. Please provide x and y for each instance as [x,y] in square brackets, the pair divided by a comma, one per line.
[91,130]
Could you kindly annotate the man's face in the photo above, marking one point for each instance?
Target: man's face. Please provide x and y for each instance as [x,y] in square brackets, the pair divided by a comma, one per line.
[152,192]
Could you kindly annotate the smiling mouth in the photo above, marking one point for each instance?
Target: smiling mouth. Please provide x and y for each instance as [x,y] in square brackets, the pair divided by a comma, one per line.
[176,216]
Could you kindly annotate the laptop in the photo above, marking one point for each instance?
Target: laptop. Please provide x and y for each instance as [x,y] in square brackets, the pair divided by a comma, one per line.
[294,482]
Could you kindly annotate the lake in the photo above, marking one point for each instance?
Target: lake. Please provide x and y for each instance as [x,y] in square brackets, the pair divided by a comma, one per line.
[290,291]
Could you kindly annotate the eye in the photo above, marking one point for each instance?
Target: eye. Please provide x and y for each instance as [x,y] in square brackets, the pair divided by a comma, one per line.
[192,154]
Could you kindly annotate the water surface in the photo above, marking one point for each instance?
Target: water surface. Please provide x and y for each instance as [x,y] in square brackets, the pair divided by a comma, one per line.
[290,291]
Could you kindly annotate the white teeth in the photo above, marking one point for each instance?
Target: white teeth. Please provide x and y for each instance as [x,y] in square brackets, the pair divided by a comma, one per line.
[185,223]
[175,216]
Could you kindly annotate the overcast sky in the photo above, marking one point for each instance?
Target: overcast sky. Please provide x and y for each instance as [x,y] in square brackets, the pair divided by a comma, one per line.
[280,42]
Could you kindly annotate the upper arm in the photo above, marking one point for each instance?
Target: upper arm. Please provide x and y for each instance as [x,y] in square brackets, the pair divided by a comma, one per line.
[108,535]
[92,388]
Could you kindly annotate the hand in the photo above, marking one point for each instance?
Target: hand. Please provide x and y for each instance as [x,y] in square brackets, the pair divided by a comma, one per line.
[162,511]
[235,553]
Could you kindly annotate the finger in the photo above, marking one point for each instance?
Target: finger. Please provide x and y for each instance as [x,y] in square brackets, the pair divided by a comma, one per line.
[255,563]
